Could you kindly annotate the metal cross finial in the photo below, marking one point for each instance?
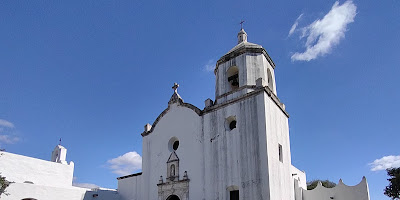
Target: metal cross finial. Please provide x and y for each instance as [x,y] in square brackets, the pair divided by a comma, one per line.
[241,24]
[175,87]
[59,142]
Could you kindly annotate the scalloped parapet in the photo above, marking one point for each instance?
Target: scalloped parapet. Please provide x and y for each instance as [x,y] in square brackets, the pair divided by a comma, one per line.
[339,192]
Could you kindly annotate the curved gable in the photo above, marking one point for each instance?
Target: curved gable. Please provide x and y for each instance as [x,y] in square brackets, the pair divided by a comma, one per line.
[163,113]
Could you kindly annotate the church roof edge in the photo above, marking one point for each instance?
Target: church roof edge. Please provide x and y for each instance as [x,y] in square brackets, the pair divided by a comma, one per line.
[130,175]
[241,48]
[217,106]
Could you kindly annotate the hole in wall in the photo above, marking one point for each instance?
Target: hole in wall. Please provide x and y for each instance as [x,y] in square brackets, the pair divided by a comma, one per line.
[230,123]
[173,144]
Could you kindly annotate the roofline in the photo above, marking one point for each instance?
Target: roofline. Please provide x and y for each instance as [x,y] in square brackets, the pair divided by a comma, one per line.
[130,175]
[187,105]
[199,112]
[242,50]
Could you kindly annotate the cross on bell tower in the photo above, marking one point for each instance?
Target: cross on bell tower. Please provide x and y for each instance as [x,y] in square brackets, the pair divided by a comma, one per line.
[241,24]
[242,35]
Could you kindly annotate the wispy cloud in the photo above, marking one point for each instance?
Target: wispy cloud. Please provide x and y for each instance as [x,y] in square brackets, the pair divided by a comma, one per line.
[5,123]
[6,132]
[323,34]
[385,163]
[210,65]
[126,164]
[83,185]
[294,26]
[8,139]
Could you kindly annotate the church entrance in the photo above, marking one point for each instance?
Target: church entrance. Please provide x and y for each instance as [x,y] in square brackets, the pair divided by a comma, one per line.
[173,197]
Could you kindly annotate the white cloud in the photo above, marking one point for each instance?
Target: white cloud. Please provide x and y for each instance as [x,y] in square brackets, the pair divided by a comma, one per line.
[6,128]
[210,66]
[8,139]
[126,164]
[85,185]
[323,34]
[385,163]
[294,26]
[5,123]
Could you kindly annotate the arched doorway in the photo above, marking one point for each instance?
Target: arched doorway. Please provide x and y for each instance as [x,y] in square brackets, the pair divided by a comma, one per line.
[173,197]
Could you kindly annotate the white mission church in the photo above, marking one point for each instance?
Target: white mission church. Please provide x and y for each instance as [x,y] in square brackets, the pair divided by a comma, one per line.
[237,147]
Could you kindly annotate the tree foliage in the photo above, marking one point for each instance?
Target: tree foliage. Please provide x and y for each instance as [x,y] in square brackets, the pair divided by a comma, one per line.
[326,183]
[393,189]
[3,184]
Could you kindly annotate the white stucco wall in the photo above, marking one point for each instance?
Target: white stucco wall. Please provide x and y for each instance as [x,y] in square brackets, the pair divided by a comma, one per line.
[185,124]
[18,168]
[339,192]
[251,67]
[18,191]
[130,188]
[236,157]
[300,176]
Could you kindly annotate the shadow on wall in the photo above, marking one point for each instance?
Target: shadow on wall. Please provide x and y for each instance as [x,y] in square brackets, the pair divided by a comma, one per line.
[99,194]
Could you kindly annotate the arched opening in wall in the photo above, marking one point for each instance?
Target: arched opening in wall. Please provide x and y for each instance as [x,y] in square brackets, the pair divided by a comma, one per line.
[270,80]
[29,199]
[230,123]
[233,77]
[173,197]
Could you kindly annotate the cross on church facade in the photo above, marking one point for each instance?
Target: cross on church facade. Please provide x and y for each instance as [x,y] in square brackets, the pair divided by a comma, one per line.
[175,87]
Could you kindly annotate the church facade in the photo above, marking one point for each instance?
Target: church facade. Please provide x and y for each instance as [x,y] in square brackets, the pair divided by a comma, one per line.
[237,147]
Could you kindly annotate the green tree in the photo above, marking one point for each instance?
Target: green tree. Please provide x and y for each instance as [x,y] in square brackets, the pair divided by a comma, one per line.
[326,183]
[393,189]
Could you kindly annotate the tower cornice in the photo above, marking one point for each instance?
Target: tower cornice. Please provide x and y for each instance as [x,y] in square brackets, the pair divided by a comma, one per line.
[242,48]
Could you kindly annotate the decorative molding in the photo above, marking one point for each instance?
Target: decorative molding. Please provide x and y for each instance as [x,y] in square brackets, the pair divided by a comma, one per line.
[241,50]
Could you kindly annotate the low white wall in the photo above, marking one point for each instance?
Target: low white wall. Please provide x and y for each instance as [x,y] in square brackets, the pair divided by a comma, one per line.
[130,188]
[300,176]
[340,192]
[17,168]
[18,191]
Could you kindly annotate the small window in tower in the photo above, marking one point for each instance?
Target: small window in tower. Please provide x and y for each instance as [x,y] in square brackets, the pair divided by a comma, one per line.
[233,77]
[234,195]
[280,153]
[230,123]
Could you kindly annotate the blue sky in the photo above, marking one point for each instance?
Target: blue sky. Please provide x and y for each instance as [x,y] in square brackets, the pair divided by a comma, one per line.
[95,72]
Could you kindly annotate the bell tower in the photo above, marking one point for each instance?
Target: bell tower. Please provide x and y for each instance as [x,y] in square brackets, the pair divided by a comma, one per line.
[237,71]
[59,154]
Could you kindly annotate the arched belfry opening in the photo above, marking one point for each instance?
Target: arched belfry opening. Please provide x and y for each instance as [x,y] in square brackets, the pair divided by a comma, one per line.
[233,77]
[173,197]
